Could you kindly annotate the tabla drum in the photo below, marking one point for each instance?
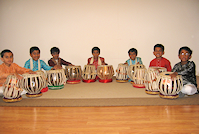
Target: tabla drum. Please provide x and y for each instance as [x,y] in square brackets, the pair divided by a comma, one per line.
[138,77]
[56,79]
[150,82]
[169,88]
[121,73]
[105,73]
[12,90]
[44,75]
[160,69]
[33,84]
[73,74]
[131,70]
[89,74]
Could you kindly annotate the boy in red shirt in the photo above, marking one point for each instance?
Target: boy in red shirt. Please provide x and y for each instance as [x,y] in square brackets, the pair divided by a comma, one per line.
[160,61]
[96,60]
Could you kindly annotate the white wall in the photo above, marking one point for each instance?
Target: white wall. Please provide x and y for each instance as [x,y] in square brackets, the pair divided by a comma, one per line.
[115,26]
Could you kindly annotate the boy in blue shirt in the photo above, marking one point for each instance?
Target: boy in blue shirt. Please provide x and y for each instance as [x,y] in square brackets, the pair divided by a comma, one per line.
[133,57]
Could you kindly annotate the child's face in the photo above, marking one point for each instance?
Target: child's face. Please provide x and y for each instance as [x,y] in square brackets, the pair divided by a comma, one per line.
[184,55]
[158,52]
[55,55]
[35,55]
[132,55]
[96,54]
[7,58]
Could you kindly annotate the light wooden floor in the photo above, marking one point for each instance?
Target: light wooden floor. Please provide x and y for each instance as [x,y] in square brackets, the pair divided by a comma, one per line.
[110,120]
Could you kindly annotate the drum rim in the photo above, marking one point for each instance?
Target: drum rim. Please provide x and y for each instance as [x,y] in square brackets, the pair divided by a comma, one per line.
[163,74]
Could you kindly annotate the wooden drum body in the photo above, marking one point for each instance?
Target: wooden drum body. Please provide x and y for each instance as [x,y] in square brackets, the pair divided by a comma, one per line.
[56,79]
[131,70]
[73,74]
[138,77]
[121,73]
[44,75]
[169,88]
[105,73]
[151,79]
[89,74]
[33,84]
[12,90]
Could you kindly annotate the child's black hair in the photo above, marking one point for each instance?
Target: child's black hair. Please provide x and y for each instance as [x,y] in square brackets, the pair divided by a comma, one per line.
[54,49]
[185,48]
[5,51]
[133,50]
[95,48]
[33,49]
[159,45]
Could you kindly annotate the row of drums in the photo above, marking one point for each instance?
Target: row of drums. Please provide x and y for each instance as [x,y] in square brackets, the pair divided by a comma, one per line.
[156,80]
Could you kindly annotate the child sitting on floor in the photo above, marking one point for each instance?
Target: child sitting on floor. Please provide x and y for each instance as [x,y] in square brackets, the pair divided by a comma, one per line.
[10,68]
[160,61]
[96,60]
[133,57]
[56,60]
[185,68]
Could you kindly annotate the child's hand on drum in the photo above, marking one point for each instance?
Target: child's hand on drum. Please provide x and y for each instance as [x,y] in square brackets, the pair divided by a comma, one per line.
[173,75]
[31,72]
[57,67]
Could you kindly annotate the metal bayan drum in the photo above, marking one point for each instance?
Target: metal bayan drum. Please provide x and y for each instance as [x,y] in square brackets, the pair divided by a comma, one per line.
[151,79]
[56,79]
[73,74]
[33,84]
[12,90]
[121,73]
[169,88]
[131,70]
[44,75]
[105,73]
[89,74]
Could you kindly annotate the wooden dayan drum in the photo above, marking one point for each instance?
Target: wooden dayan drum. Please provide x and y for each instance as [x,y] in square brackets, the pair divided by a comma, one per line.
[33,84]
[89,74]
[169,88]
[44,75]
[121,73]
[105,73]
[151,79]
[56,79]
[138,77]
[73,74]
[12,90]
[131,70]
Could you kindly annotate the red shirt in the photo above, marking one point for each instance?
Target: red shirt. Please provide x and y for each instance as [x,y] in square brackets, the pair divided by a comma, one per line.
[95,62]
[163,62]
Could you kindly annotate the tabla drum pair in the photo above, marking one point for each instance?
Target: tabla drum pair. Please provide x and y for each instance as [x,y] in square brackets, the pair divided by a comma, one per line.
[73,74]
[151,79]
[12,90]
[33,84]
[136,73]
[56,79]
[169,88]
[89,74]
[105,73]
[121,73]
